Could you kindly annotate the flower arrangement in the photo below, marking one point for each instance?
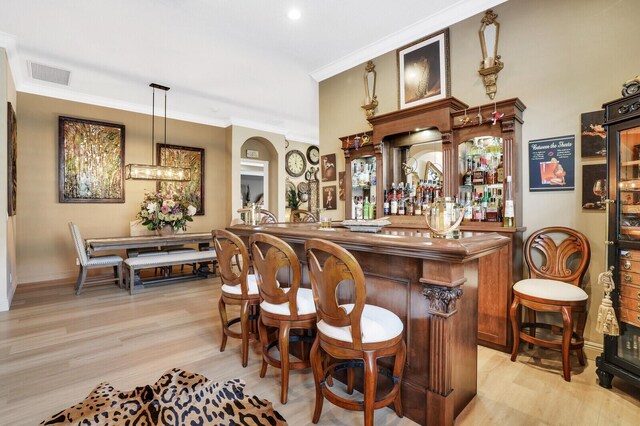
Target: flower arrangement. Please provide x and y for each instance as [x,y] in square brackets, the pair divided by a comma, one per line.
[164,208]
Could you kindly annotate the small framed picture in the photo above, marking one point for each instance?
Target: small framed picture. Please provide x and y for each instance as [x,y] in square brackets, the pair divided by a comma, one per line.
[423,70]
[329,198]
[328,167]
[594,188]
[593,136]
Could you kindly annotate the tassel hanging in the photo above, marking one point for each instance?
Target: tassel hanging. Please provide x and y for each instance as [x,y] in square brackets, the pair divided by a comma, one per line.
[607,323]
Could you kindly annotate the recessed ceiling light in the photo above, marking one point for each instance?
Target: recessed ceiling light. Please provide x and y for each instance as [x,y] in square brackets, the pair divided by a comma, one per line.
[294,14]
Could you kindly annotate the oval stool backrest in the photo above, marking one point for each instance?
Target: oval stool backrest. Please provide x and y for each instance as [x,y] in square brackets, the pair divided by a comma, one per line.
[303,216]
[268,217]
[556,257]
[338,265]
[270,254]
[228,248]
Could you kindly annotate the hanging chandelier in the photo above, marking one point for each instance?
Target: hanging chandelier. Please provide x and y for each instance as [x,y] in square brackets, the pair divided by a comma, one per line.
[156,171]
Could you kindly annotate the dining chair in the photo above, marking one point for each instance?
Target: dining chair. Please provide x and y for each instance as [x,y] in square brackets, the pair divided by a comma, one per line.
[284,308]
[303,216]
[556,271]
[238,288]
[88,262]
[351,332]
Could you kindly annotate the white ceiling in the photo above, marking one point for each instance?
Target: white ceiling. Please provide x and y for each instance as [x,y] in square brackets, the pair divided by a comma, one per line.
[240,62]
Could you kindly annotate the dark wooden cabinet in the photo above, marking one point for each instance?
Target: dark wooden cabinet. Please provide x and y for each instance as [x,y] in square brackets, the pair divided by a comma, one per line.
[621,356]
[447,116]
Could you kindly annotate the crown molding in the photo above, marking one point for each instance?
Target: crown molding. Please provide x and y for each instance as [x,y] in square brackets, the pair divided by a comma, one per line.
[457,12]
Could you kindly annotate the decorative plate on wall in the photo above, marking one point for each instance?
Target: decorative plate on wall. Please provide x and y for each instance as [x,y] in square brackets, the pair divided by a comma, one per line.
[295,163]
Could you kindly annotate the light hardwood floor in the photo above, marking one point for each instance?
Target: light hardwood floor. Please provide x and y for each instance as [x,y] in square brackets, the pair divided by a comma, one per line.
[55,347]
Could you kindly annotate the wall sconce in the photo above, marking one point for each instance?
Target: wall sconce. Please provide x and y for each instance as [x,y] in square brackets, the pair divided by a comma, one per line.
[491,64]
[370,98]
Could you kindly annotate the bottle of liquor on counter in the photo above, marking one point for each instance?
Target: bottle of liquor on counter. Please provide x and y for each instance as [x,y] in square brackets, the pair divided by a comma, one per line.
[500,171]
[385,205]
[492,210]
[509,213]
[484,203]
[478,173]
[393,200]
[372,209]
[477,209]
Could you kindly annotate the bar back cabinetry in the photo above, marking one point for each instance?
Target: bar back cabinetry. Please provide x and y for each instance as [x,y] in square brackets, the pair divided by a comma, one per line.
[486,142]
[621,356]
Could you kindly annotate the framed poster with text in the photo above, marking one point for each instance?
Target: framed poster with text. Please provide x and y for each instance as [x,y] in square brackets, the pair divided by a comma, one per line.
[552,164]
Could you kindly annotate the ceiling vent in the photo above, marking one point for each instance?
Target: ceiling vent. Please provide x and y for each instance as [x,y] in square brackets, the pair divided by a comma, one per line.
[47,73]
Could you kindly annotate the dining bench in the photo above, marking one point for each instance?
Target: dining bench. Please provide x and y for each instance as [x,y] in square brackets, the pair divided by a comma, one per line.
[134,264]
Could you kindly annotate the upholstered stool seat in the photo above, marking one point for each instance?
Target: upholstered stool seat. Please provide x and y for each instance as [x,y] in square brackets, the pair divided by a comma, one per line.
[554,286]
[550,290]
[252,287]
[304,300]
[376,325]
[284,307]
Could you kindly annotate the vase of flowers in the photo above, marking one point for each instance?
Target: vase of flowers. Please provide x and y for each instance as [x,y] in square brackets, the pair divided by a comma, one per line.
[165,213]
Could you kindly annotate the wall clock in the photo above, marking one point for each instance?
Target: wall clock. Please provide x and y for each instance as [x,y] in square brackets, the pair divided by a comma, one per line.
[295,163]
[313,155]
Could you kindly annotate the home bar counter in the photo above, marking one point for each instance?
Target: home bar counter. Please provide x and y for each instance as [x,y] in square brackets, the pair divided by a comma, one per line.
[431,284]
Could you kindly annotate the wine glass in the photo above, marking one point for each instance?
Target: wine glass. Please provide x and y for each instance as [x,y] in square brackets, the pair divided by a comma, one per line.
[600,189]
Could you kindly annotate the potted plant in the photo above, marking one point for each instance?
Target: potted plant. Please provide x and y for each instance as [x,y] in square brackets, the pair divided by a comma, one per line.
[293,202]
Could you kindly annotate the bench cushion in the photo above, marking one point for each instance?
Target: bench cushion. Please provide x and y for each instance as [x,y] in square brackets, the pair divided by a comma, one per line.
[108,260]
[169,259]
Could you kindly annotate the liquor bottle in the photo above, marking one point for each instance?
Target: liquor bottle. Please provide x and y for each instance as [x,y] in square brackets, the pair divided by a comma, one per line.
[419,190]
[417,209]
[366,209]
[490,175]
[402,208]
[410,206]
[385,204]
[359,209]
[468,208]
[478,173]
[393,200]
[354,202]
[374,177]
[372,209]
[492,210]
[484,203]
[509,213]
[477,209]
[500,171]
[364,178]
[467,178]
[355,179]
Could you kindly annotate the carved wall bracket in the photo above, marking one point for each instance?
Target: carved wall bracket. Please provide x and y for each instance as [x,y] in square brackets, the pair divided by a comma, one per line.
[442,300]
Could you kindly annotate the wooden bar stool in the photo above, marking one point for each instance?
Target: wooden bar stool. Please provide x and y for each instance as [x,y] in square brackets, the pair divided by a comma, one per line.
[554,286]
[238,288]
[350,332]
[283,308]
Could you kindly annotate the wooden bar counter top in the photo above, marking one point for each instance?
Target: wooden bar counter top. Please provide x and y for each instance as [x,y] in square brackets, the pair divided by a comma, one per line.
[431,284]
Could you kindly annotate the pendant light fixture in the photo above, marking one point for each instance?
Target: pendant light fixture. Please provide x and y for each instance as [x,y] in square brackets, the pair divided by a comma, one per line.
[156,171]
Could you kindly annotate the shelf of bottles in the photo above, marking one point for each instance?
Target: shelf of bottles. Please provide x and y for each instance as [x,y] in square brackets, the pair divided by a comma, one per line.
[411,198]
[629,344]
[363,188]
[629,199]
[482,181]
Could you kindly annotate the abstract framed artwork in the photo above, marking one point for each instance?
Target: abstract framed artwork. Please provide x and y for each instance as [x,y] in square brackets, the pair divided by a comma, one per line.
[90,161]
[423,70]
[593,136]
[188,157]
[12,156]
[329,198]
[328,167]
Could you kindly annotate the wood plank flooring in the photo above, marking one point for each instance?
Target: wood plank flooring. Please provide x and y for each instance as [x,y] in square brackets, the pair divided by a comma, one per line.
[55,347]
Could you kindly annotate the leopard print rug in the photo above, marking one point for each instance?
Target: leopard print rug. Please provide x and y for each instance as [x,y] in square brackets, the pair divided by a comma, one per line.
[177,398]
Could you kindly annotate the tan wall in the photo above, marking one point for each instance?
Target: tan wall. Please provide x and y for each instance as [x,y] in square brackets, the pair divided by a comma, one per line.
[44,246]
[561,59]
